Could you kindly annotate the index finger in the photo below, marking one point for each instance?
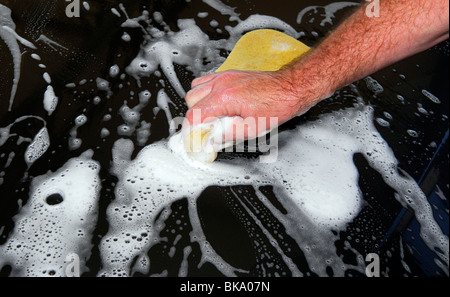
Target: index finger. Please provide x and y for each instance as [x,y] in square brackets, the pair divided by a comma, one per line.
[202,80]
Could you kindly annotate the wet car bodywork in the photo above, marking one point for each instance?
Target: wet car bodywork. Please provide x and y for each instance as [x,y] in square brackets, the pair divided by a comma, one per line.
[87,47]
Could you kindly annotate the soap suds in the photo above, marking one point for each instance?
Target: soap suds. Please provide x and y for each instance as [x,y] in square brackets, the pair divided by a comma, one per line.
[50,100]
[314,179]
[56,222]
[37,147]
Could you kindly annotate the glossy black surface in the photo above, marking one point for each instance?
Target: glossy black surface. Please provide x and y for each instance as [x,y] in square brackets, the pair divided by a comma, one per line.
[93,44]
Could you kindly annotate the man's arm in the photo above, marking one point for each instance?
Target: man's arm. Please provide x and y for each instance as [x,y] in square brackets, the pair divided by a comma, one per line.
[360,46]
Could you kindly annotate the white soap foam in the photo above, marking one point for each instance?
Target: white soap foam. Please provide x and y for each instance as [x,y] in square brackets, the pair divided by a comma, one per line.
[104,85]
[114,70]
[163,102]
[132,119]
[315,170]
[183,48]
[256,21]
[37,147]
[36,57]
[192,48]
[115,12]
[57,221]
[222,8]
[324,190]
[51,43]
[314,177]
[50,100]
[74,141]
[126,37]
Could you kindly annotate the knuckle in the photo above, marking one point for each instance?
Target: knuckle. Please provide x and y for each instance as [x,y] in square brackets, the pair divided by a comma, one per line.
[228,75]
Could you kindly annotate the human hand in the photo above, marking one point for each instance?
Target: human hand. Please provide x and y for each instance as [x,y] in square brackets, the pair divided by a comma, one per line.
[248,97]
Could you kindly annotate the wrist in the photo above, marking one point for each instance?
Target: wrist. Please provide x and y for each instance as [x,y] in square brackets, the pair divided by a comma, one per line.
[307,83]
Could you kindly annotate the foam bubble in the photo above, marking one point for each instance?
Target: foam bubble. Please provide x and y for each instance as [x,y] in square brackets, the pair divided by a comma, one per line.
[50,100]
[324,188]
[37,147]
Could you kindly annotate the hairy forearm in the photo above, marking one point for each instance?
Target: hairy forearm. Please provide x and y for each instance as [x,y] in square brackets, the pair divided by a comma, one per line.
[362,45]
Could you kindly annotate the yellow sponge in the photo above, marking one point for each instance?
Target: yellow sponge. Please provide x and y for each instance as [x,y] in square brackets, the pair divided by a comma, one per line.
[264,50]
[197,146]
[259,50]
